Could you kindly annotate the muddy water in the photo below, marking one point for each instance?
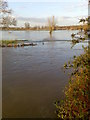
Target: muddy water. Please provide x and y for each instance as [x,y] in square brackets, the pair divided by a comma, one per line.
[33,78]
[36,35]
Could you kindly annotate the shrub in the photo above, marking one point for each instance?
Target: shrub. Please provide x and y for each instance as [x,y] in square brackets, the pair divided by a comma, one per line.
[76,103]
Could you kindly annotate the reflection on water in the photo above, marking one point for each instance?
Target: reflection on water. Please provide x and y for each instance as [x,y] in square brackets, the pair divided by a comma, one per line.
[33,78]
[37,35]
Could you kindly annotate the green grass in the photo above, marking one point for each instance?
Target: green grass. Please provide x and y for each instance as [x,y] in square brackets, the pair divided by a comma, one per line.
[6,42]
[10,42]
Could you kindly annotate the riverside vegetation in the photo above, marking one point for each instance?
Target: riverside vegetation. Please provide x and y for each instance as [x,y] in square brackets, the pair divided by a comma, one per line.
[16,43]
[76,104]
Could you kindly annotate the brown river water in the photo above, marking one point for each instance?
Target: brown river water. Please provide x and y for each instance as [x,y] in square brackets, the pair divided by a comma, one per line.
[33,78]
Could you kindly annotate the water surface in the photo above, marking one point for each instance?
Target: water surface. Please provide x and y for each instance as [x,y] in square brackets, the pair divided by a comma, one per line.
[36,35]
[33,77]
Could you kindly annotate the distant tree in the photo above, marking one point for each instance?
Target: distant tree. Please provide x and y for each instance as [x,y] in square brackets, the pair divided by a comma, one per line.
[52,24]
[27,25]
[6,18]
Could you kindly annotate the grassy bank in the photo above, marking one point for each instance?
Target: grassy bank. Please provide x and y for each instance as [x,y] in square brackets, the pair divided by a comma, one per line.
[16,43]
[77,93]
[8,42]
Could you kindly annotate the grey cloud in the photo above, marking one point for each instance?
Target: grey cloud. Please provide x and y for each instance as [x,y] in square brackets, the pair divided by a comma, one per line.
[63,20]
[40,20]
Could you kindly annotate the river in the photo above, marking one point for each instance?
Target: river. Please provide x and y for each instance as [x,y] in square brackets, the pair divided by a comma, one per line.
[33,77]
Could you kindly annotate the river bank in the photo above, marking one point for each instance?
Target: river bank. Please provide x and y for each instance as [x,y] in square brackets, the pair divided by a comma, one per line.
[45,28]
[16,43]
[76,103]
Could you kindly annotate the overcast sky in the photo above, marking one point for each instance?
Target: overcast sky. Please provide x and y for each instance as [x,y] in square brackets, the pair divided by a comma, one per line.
[67,12]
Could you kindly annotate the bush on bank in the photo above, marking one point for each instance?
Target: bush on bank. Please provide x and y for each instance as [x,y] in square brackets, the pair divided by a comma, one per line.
[77,93]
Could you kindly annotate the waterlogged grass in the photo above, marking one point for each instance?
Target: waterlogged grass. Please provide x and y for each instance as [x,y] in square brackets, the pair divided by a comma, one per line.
[77,93]
[9,43]
[6,42]
[16,43]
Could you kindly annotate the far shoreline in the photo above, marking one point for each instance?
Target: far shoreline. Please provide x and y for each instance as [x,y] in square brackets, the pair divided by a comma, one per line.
[44,28]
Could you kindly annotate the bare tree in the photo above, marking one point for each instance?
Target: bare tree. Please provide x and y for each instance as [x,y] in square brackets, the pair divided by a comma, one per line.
[52,24]
[6,18]
[27,25]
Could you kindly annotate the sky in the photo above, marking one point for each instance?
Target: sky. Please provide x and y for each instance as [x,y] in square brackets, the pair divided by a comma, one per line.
[66,12]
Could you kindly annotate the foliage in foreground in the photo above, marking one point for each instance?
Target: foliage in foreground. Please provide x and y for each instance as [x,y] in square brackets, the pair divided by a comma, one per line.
[76,103]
